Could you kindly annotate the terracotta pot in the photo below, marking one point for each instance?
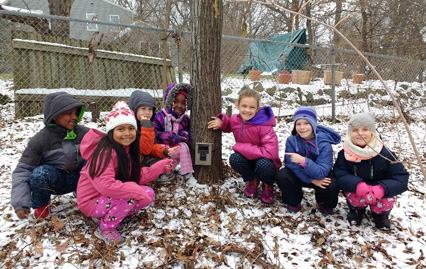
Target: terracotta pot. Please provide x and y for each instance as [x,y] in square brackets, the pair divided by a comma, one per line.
[358,78]
[254,75]
[301,76]
[284,78]
[338,75]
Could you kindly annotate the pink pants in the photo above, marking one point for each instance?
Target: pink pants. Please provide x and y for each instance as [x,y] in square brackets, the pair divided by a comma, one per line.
[114,210]
[382,205]
[183,156]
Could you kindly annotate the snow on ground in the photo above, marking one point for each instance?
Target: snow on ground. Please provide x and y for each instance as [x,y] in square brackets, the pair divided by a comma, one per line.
[200,226]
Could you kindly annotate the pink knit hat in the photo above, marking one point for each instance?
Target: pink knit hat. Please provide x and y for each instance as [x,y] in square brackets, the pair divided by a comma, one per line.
[120,114]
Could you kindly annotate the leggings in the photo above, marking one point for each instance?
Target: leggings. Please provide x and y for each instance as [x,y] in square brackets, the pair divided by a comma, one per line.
[382,205]
[114,210]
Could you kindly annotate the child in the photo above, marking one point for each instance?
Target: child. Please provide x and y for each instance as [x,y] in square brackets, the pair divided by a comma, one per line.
[308,162]
[256,149]
[171,125]
[368,173]
[110,183]
[143,105]
[51,162]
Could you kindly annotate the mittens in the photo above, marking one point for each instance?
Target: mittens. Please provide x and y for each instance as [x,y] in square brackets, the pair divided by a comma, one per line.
[378,191]
[362,189]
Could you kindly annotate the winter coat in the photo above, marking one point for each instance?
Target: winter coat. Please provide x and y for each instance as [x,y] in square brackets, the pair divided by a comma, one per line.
[53,145]
[255,138]
[89,190]
[318,154]
[171,138]
[378,170]
[148,144]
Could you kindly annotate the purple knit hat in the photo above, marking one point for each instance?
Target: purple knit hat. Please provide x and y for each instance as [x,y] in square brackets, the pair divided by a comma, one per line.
[307,113]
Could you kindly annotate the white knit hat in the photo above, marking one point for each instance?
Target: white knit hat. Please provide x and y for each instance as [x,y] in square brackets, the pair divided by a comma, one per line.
[362,119]
[120,114]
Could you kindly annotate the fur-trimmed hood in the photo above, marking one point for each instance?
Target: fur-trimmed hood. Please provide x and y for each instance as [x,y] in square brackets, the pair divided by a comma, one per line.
[171,92]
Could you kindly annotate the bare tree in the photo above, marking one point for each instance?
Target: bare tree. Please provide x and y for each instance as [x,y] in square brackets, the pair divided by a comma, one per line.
[60,8]
[205,78]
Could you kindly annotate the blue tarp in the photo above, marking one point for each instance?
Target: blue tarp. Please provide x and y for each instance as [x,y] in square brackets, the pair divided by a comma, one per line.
[266,56]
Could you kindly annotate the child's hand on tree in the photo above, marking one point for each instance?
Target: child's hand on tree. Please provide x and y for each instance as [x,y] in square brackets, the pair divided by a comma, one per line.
[322,183]
[215,123]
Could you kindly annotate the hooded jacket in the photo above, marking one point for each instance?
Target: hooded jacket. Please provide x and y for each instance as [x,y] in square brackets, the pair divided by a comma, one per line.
[53,145]
[89,190]
[255,138]
[318,154]
[175,137]
[148,144]
[378,170]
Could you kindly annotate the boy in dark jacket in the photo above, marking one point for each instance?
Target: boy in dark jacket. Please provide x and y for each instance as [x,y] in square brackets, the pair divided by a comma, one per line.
[367,173]
[51,162]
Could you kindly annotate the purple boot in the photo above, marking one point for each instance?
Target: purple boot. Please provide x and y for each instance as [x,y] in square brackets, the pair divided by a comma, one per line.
[251,188]
[267,195]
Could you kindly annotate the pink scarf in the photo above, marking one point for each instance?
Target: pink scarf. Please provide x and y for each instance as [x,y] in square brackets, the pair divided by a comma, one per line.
[171,124]
[356,154]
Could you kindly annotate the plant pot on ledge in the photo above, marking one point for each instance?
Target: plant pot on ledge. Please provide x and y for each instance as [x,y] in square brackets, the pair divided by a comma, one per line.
[254,75]
[301,76]
[358,78]
[338,75]
[284,77]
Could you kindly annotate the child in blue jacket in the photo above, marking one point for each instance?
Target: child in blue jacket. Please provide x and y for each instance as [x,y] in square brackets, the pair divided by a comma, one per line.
[308,163]
[368,173]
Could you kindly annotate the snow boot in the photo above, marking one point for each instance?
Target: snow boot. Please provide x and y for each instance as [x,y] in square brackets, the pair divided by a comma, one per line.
[267,195]
[42,212]
[355,214]
[251,188]
[382,220]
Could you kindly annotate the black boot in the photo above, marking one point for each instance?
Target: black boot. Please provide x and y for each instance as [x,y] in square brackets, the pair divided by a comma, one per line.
[381,220]
[355,214]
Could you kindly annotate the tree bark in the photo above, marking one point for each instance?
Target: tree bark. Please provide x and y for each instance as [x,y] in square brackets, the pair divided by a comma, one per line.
[205,77]
[60,8]
[337,18]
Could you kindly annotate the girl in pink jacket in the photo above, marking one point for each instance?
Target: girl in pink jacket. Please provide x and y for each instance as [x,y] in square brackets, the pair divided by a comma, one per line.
[110,186]
[256,149]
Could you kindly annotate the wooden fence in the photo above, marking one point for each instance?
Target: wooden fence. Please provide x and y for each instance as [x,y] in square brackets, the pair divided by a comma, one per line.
[50,65]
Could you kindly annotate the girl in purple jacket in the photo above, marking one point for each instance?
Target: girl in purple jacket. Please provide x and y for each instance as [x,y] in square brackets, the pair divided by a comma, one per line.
[308,163]
[171,126]
[256,149]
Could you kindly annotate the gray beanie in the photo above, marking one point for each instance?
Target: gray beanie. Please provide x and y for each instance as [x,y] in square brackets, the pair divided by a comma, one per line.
[139,98]
[362,119]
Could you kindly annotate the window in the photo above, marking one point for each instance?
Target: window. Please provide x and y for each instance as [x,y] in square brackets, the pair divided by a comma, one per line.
[92,17]
[114,19]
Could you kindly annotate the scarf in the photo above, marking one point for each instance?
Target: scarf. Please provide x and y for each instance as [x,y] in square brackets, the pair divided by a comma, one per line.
[171,124]
[356,154]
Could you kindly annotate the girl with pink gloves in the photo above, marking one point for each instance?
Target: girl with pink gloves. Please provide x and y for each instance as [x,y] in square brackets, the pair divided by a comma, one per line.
[256,148]
[368,173]
[111,183]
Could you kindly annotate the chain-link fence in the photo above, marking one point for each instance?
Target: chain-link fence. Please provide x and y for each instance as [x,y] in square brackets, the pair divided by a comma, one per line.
[118,59]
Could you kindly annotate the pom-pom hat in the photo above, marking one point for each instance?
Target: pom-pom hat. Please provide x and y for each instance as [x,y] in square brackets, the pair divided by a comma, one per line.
[306,113]
[120,114]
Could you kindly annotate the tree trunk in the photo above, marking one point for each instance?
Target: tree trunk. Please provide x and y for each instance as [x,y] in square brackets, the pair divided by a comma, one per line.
[337,18]
[207,17]
[310,35]
[60,8]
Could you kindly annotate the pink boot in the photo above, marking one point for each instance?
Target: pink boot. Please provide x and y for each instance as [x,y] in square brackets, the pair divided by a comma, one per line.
[267,195]
[251,188]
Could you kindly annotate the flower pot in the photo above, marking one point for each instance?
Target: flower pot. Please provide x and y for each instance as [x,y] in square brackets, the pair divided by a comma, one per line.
[301,76]
[338,75]
[284,78]
[357,78]
[254,75]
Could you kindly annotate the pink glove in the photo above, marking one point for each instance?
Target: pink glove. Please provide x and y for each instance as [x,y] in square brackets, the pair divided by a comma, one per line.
[378,191]
[149,191]
[362,189]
